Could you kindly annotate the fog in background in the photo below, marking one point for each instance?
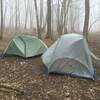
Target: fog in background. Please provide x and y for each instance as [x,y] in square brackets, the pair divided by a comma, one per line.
[76,14]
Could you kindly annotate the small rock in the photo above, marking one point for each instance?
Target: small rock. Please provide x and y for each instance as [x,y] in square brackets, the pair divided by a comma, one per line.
[67,94]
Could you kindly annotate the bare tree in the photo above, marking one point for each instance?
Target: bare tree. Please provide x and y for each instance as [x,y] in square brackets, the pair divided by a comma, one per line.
[26,14]
[19,15]
[31,14]
[2,28]
[63,7]
[66,10]
[52,16]
[42,17]
[5,12]
[37,19]
[62,13]
[48,19]
[58,16]
[11,17]
[86,21]
[41,14]
[73,17]
[93,23]
[16,16]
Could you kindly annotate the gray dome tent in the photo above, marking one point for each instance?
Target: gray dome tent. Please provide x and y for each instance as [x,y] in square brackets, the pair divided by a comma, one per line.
[70,55]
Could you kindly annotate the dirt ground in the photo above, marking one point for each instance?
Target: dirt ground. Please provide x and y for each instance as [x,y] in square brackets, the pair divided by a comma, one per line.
[28,82]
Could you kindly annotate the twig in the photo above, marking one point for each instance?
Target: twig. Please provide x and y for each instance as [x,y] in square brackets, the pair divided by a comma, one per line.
[8,88]
[93,23]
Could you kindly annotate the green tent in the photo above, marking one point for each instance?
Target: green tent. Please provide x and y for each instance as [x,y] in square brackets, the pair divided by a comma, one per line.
[70,55]
[25,46]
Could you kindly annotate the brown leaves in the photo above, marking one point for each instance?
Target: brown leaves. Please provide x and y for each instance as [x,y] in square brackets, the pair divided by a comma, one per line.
[36,86]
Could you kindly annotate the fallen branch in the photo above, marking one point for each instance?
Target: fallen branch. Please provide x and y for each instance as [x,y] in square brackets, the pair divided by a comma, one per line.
[8,88]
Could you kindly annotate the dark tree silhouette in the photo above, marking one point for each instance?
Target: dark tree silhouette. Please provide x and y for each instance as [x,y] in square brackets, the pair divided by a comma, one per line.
[86,21]
[48,19]
[37,19]
[1,32]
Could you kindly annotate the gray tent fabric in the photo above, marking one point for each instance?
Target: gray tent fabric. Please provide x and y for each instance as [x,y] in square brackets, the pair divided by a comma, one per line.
[70,55]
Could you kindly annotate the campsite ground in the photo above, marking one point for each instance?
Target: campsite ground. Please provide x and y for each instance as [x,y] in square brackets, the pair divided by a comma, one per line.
[28,78]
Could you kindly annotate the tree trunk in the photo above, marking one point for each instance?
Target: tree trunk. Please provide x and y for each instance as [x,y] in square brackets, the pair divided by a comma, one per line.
[41,14]
[1,34]
[52,17]
[66,10]
[4,17]
[11,20]
[16,19]
[48,19]
[19,21]
[37,19]
[61,16]
[31,15]
[86,21]
[26,15]
[58,17]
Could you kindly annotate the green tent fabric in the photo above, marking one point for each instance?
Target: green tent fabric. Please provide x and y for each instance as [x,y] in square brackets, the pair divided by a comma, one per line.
[26,46]
[70,55]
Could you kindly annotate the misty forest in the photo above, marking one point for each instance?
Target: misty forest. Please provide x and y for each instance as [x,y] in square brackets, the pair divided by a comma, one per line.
[49,49]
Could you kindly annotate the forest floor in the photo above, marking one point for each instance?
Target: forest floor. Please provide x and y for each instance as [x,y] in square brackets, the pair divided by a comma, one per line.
[27,82]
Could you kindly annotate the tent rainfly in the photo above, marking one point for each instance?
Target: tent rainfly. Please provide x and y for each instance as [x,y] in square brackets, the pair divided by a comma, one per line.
[70,55]
[25,46]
